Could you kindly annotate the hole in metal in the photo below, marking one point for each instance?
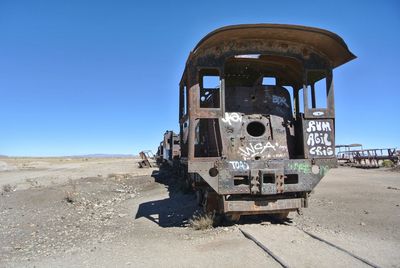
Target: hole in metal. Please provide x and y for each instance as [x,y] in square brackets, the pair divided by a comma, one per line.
[240,180]
[292,179]
[255,129]
[268,178]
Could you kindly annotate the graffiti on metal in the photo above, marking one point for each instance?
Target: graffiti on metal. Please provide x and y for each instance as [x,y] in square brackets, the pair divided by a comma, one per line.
[239,165]
[319,138]
[306,168]
[231,117]
[280,101]
[300,167]
[323,170]
[259,148]
[318,113]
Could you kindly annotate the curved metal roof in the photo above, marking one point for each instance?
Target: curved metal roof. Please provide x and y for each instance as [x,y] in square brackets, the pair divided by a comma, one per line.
[328,43]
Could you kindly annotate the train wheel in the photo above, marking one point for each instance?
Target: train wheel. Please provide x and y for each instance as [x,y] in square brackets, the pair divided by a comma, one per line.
[200,197]
[187,182]
[211,202]
[232,217]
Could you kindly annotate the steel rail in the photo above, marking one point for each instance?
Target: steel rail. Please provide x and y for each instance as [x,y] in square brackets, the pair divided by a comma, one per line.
[285,265]
[263,247]
[342,249]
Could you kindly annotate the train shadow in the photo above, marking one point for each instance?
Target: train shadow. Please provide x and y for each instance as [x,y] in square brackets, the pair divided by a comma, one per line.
[263,219]
[173,211]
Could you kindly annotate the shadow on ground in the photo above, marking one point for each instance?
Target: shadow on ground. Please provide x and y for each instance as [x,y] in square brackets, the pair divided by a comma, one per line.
[174,211]
[260,219]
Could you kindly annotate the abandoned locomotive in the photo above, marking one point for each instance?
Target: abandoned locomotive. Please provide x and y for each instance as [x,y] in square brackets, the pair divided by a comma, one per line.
[257,117]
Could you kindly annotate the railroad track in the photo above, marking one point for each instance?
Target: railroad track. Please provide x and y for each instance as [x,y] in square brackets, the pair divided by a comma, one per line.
[313,249]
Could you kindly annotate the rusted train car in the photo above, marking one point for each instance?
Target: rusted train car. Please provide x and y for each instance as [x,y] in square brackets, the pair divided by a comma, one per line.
[257,116]
[169,150]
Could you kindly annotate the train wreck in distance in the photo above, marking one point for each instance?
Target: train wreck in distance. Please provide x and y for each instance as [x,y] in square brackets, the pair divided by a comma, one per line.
[257,117]
[147,159]
[169,150]
[355,156]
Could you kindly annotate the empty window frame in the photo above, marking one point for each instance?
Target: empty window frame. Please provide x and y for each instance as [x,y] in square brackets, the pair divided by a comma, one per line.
[210,89]
[300,100]
[268,81]
[183,101]
[318,86]
[184,130]
[207,138]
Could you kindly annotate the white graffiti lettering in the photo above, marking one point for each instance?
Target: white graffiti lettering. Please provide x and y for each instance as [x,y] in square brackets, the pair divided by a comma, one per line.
[279,100]
[257,149]
[320,150]
[318,126]
[239,165]
[318,138]
[231,117]
[318,113]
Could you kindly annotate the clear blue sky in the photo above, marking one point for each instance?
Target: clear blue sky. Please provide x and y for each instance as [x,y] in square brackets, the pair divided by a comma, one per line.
[80,77]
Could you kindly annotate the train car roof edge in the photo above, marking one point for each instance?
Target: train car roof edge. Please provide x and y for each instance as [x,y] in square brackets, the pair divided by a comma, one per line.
[330,44]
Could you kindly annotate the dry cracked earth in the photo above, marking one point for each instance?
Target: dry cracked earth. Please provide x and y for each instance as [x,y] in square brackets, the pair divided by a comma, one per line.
[87,212]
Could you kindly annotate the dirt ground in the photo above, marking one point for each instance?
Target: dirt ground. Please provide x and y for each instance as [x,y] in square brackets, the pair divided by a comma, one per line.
[87,212]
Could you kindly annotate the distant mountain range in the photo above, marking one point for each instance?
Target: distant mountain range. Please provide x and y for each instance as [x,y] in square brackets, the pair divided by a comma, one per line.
[86,156]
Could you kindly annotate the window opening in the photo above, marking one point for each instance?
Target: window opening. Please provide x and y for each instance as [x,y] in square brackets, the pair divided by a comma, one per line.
[207,138]
[210,91]
[269,81]
[184,100]
[317,89]
[301,101]
[321,93]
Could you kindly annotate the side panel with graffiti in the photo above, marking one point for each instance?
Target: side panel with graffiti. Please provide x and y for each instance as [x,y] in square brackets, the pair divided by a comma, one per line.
[319,138]
[269,143]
